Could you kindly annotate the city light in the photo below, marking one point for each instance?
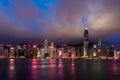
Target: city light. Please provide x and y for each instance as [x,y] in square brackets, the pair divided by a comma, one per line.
[12,48]
[59,39]
[34,46]
[50,51]
[60,52]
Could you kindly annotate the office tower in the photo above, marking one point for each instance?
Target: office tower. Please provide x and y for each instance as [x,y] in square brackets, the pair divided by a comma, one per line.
[52,45]
[85,42]
[73,52]
[52,50]
[95,50]
[46,48]
[99,45]
[12,52]
[2,51]
[38,53]
[34,51]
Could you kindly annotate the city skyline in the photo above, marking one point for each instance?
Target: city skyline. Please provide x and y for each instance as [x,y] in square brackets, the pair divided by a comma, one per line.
[59,39]
[61,21]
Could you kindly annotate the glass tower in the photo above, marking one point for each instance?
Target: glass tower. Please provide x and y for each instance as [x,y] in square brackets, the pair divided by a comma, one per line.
[86,36]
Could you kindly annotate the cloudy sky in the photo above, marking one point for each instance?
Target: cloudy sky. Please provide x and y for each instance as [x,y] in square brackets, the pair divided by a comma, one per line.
[59,20]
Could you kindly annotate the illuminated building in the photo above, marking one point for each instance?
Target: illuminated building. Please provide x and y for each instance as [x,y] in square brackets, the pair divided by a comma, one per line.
[52,44]
[46,48]
[86,42]
[12,52]
[29,51]
[62,50]
[59,53]
[2,51]
[94,50]
[38,53]
[42,52]
[118,54]
[52,50]
[24,50]
[73,53]
[34,51]
[99,48]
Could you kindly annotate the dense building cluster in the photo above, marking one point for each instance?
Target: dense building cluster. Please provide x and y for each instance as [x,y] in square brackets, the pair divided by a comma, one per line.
[49,50]
[95,51]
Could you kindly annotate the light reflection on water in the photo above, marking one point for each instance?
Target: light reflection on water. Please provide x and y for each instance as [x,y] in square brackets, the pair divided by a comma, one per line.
[11,70]
[34,72]
[60,69]
[73,69]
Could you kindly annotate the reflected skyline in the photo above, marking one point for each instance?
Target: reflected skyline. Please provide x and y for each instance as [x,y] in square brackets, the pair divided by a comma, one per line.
[60,69]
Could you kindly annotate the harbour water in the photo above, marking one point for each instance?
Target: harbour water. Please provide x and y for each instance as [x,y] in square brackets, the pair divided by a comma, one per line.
[59,69]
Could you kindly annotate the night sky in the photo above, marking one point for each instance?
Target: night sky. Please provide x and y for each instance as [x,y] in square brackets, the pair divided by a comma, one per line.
[62,21]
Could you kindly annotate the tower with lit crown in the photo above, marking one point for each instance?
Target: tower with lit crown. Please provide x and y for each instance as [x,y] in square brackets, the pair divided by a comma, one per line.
[86,42]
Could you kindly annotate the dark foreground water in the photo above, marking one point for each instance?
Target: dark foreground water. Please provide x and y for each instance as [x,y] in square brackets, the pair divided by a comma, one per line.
[59,69]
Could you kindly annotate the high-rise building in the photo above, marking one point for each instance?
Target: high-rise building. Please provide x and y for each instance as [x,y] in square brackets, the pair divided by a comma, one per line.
[46,48]
[94,50]
[52,50]
[99,46]
[86,42]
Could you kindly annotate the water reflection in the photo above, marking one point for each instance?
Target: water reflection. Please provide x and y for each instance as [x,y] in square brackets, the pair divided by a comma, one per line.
[34,63]
[34,70]
[114,68]
[52,62]
[73,69]
[51,71]
[60,67]
[114,71]
[11,72]
[11,66]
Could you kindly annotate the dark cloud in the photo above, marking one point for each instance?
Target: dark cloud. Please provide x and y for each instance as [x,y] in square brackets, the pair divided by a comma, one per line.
[59,19]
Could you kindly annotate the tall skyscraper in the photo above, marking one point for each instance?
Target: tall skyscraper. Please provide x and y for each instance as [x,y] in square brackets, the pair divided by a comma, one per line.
[86,42]
[46,47]
[45,43]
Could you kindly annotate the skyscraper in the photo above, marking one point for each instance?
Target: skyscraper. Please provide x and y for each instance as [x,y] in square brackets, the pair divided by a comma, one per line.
[52,50]
[45,43]
[45,48]
[86,42]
